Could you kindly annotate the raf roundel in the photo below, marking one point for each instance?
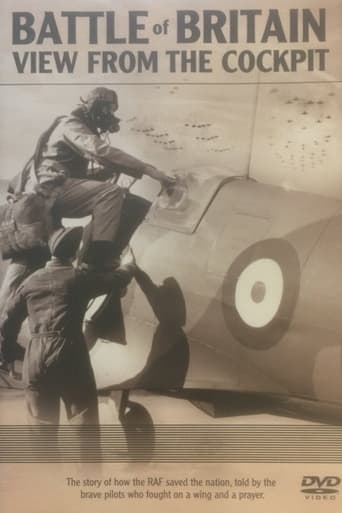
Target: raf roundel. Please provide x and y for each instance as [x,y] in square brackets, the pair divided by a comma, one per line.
[260,293]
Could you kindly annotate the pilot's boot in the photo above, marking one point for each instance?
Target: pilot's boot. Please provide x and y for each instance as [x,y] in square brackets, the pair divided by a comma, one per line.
[100,255]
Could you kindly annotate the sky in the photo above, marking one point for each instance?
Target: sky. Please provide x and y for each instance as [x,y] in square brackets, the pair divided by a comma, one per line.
[279,128]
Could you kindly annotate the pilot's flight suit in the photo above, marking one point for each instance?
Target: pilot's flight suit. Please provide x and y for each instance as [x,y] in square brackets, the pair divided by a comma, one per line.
[57,364]
[63,155]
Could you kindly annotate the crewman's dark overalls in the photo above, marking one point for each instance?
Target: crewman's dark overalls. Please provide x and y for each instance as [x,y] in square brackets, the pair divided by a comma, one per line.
[57,364]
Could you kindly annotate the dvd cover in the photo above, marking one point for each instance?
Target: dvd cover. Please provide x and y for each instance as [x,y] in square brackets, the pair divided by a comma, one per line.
[218,368]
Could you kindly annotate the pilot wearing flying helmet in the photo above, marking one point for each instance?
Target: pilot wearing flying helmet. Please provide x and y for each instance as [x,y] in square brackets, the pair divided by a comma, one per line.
[59,169]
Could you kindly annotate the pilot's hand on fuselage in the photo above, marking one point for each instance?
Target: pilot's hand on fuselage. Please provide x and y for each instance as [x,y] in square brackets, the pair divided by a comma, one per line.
[169,185]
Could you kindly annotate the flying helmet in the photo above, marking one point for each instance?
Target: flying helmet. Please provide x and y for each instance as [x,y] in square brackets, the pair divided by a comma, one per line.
[101,103]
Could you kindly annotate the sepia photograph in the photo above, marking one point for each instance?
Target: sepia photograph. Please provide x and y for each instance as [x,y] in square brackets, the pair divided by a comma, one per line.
[170,273]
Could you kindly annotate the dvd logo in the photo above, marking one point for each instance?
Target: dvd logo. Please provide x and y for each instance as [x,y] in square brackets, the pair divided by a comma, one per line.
[320,486]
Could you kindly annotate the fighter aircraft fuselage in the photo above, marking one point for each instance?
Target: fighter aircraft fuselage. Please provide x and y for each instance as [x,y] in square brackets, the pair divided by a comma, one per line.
[238,289]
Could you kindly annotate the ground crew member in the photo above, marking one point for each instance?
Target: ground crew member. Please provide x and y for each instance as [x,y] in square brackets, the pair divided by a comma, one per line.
[57,364]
